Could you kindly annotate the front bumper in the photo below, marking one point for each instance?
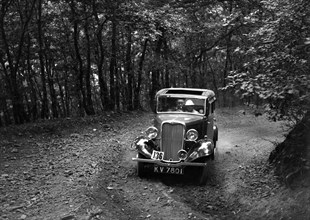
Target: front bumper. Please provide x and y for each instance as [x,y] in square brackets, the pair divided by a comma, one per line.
[170,163]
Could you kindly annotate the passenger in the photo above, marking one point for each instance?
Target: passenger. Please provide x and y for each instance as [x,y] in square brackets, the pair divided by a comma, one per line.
[189,104]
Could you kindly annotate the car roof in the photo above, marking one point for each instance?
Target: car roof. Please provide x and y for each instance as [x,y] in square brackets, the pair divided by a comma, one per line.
[202,93]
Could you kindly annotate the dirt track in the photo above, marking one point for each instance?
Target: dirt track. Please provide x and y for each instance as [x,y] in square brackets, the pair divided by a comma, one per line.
[86,172]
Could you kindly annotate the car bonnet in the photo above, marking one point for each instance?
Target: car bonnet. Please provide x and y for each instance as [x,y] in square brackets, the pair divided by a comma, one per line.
[179,118]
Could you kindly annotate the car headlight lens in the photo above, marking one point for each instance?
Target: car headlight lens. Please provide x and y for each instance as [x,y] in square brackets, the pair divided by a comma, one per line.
[182,154]
[151,132]
[191,135]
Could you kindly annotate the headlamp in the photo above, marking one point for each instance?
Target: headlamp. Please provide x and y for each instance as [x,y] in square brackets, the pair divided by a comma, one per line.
[192,135]
[182,154]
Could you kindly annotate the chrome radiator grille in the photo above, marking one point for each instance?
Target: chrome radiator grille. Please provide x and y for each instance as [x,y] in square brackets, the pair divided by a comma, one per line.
[172,140]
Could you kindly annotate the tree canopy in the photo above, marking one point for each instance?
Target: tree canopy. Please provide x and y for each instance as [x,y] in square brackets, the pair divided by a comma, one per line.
[61,58]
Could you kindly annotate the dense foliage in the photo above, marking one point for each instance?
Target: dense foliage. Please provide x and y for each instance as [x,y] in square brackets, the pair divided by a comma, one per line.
[276,65]
[61,58]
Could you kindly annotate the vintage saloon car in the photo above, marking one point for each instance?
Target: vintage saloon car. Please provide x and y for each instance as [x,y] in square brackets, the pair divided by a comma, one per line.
[183,137]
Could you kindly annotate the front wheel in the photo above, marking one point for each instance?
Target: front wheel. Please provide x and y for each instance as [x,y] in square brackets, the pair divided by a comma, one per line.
[203,176]
[203,172]
[141,171]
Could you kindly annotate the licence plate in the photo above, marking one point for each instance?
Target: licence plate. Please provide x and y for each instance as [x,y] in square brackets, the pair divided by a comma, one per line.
[169,170]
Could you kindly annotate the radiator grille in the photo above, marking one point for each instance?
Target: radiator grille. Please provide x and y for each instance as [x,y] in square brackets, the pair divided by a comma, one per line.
[172,140]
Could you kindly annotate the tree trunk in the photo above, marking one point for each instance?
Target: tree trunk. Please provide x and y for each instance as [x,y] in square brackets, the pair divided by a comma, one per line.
[155,73]
[67,94]
[50,80]
[6,114]
[213,77]
[44,107]
[117,88]
[104,97]
[89,101]
[129,71]
[3,99]
[2,109]
[167,72]
[227,67]
[137,104]
[113,65]
[18,106]
[78,64]
[62,96]
[33,95]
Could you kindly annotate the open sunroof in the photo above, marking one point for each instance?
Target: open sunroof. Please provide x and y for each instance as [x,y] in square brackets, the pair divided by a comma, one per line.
[188,92]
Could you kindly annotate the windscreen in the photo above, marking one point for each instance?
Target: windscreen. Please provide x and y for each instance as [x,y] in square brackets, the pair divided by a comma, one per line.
[181,104]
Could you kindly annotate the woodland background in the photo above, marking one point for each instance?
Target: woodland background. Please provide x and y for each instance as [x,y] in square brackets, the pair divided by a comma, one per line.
[68,58]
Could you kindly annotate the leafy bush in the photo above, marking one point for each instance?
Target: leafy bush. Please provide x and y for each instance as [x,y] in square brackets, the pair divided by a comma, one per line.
[277,64]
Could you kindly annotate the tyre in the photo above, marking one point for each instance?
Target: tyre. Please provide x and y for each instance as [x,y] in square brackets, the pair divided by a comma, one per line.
[212,156]
[141,170]
[203,172]
[203,176]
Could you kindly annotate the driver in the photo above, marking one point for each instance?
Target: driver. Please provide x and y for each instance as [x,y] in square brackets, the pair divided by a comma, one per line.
[180,104]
